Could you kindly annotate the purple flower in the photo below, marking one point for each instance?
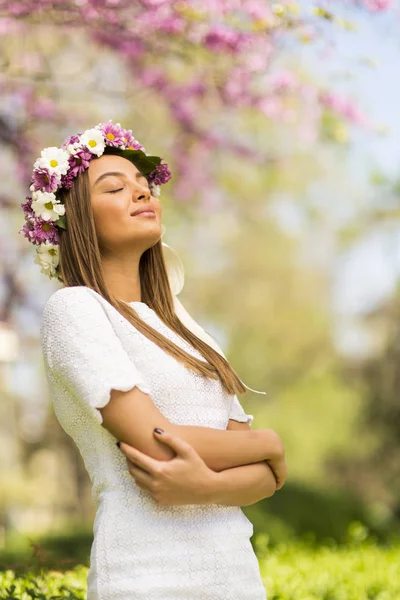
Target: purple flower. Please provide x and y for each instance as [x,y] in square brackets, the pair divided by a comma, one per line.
[66,180]
[135,145]
[38,231]
[79,162]
[172,24]
[155,78]
[130,141]
[114,134]
[160,175]
[42,179]
[72,139]
[26,229]
[27,207]
[132,48]
[221,38]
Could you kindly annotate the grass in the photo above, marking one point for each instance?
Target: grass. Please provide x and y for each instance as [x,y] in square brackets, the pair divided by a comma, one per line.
[360,570]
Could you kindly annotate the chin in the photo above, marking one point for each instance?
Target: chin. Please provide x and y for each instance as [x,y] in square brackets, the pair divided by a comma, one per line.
[152,234]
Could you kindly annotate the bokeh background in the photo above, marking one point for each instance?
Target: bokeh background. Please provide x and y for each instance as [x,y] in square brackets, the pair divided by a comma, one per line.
[281,126]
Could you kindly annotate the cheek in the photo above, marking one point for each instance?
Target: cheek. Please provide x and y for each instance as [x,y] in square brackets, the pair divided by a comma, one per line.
[158,209]
[109,218]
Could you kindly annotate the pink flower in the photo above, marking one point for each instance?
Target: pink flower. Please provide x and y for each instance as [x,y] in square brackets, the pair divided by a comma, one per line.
[377,5]
[154,77]
[134,48]
[38,231]
[221,38]
[79,162]
[129,140]
[42,179]
[27,207]
[284,81]
[172,25]
[71,139]
[113,134]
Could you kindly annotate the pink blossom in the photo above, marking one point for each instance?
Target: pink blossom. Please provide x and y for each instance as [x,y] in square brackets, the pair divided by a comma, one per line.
[79,162]
[38,231]
[113,134]
[27,207]
[284,81]
[162,44]
[42,179]
[221,38]
[378,5]
[71,139]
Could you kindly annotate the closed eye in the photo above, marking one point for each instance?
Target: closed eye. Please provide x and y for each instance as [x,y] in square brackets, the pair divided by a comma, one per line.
[115,191]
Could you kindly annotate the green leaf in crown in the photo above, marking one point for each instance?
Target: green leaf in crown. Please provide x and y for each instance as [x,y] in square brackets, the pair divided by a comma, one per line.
[146,164]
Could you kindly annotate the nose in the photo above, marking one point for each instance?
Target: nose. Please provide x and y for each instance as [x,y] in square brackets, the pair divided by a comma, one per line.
[142,191]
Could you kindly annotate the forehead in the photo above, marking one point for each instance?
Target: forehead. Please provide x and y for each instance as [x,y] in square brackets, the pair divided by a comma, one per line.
[109,162]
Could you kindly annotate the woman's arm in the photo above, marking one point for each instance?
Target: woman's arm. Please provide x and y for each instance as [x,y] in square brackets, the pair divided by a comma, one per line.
[186,479]
[132,416]
[241,486]
[222,449]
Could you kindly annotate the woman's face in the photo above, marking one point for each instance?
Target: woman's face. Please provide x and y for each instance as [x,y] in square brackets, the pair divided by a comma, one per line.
[117,189]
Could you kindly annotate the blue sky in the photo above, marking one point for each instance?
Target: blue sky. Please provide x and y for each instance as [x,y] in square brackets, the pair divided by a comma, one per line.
[366,274]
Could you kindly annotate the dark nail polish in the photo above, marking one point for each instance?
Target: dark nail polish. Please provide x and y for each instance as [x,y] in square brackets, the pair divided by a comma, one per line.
[158,430]
[118,444]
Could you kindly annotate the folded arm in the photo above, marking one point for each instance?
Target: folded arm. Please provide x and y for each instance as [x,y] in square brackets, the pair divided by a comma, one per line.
[242,486]
[239,475]
[132,416]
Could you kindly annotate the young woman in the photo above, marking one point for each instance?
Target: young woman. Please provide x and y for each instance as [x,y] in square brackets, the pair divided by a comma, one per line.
[124,361]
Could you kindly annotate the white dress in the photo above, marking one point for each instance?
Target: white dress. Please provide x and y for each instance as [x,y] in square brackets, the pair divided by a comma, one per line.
[141,550]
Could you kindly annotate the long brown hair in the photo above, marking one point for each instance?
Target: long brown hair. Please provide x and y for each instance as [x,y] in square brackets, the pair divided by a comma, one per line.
[80,264]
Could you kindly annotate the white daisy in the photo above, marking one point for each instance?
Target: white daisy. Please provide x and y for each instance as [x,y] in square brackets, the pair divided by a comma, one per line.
[74,148]
[155,190]
[93,139]
[47,256]
[54,159]
[46,205]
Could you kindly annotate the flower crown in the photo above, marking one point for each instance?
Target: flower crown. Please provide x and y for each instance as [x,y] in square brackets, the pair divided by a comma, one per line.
[56,168]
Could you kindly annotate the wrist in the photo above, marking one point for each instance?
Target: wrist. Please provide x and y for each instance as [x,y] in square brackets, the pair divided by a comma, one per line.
[212,487]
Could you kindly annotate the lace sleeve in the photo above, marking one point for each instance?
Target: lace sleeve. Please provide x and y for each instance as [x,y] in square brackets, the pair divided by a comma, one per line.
[237,413]
[82,350]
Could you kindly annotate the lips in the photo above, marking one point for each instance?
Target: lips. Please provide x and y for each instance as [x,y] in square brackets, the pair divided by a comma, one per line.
[143,209]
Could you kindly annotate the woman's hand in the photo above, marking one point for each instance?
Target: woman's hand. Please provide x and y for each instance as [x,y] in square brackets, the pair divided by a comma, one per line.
[184,479]
[276,457]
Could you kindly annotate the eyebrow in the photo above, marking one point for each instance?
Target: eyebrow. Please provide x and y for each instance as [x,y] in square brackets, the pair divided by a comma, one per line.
[139,175]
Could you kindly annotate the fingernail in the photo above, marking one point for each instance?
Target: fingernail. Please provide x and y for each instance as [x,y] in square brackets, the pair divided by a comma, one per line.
[158,430]
[118,444]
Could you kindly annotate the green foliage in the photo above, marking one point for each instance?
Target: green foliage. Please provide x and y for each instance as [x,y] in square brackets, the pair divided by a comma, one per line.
[145,164]
[59,550]
[361,570]
[318,515]
[50,585]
